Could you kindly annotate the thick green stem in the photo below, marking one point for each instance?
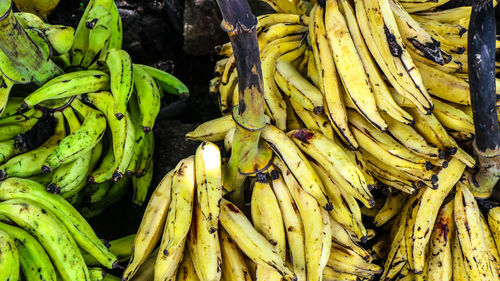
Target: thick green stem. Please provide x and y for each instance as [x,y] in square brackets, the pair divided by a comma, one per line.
[21,60]
[240,24]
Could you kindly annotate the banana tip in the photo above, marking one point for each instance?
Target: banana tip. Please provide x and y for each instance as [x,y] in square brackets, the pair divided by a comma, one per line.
[119,116]
[329,206]
[90,180]
[146,129]
[117,175]
[52,188]
[46,169]
[116,265]
[364,239]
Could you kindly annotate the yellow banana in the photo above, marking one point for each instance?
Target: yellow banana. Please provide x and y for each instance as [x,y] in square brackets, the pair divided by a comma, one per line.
[440,259]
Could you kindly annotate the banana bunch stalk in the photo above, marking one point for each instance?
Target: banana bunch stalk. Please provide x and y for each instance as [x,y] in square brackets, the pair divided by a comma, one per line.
[85,134]
[43,237]
[288,233]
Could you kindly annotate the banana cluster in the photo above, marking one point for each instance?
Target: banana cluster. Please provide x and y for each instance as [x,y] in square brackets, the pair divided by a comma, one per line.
[438,235]
[287,234]
[43,237]
[87,133]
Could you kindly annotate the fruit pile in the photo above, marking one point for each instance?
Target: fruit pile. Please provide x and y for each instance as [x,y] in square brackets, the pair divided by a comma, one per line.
[370,125]
[86,131]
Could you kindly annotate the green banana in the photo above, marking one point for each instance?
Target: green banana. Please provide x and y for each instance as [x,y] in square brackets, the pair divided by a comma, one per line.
[8,149]
[146,156]
[99,24]
[166,81]
[121,248]
[116,35]
[148,97]
[5,87]
[67,85]
[115,193]
[30,163]
[120,68]
[8,132]
[122,132]
[9,258]
[105,170]
[35,263]
[81,231]
[79,142]
[29,20]
[60,37]
[141,185]
[140,136]
[54,237]
[81,41]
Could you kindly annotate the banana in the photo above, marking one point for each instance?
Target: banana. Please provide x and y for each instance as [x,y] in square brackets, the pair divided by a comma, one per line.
[251,243]
[213,130]
[60,37]
[203,245]
[317,230]
[72,173]
[339,165]
[293,84]
[119,64]
[277,31]
[54,237]
[459,271]
[417,6]
[345,260]
[10,131]
[415,36]
[114,194]
[494,224]
[17,188]
[166,267]
[328,81]
[141,185]
[80,141]
[411,139]
[429,208]
[268,221]
[453,118]
[116,34]
[397,256]
[186,270]
[440,258]
[5,88]
[266,20]
[275,104]
[293,224]
[98,22]
[30,163]
[296,162]
[470,235]
[347,211]
[491,248]
[312,121]
[209,183]
[444,85]
[448,15]
[145,160]
[35,263]
[392,206]
[178,216]
[9,258]
[148,97]
[67,85]
[292,120]
[123,136]
[381,28]
[330,274]
[233,263]
[288,7]
[383,98]
[350,66]
[151,225]
[121,248]
[431,129]
[166,81]
[105,170]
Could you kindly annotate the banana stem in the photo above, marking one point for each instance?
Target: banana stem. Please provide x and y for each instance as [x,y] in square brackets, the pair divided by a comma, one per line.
[481,57]
[24,55]
[240,24]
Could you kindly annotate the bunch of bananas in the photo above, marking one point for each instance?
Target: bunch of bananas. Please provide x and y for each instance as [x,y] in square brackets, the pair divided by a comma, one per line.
[43,237]
[368,96]
[86,133]
[206,237]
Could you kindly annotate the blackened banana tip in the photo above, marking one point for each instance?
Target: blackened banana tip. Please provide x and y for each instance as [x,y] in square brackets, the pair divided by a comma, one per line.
[371,187]
[428,165]
[119,116]
[117,175]
[445,164]
[146,129]
[90,180]
[364,239]
[46,169]
[116,265]
[212,230]
[329,206]
[317,110]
